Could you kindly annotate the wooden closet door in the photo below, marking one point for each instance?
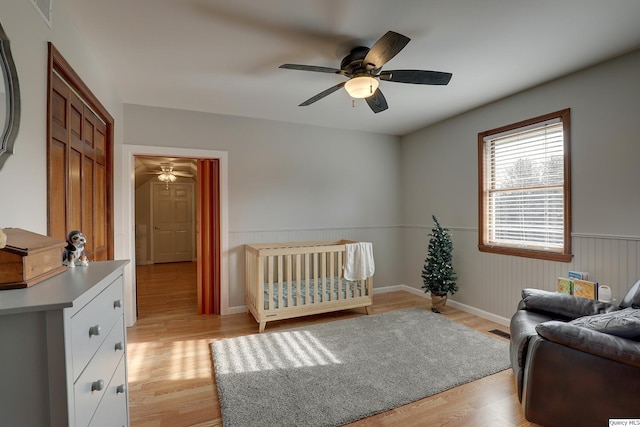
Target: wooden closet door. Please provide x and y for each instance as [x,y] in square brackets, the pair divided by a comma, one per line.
[94,184]
[78,170]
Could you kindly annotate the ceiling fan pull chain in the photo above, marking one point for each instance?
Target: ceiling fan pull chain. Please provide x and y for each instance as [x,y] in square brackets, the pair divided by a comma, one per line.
[353,103]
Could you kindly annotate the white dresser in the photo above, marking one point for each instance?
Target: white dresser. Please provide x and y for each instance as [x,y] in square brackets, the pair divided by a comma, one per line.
[63,350]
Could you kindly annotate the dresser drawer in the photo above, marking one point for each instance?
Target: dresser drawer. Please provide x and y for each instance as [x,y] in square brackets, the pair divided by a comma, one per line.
[112,411]
[93,382]
[92,323]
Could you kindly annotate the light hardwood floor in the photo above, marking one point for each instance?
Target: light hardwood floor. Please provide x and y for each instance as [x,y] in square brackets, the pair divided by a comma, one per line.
[171,380]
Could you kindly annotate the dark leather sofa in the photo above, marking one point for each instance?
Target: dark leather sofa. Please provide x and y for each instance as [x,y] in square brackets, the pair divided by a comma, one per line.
[576,361]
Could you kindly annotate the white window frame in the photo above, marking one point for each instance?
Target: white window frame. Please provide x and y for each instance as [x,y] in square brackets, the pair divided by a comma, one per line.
[489,228]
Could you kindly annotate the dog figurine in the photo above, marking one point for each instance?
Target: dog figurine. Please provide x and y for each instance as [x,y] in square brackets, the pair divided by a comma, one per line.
[73,253]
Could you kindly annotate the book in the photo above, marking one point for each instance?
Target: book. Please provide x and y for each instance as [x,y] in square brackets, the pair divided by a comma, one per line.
[578,275]
[565,286]
[585,289]
[581,275]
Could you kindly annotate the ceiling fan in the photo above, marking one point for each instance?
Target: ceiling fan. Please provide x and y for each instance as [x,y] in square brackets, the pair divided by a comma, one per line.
[363,67]
[167,174]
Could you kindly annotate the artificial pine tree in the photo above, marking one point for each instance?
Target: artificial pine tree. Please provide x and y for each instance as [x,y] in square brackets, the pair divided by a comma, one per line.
[437,274]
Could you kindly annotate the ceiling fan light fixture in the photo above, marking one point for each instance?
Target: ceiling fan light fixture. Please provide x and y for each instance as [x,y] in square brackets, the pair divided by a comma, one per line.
[361,86]
[167,177]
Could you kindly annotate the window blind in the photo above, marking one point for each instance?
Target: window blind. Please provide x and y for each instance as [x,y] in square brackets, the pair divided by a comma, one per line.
[524,185]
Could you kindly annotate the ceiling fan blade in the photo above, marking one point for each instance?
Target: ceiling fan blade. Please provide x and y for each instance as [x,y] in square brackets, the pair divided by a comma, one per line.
[311,68]
[384,49]
[322,94]
[377,101]
[420,77]
[185,174]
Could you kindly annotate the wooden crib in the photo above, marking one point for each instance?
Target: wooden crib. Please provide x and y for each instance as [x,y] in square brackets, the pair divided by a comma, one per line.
[285,280]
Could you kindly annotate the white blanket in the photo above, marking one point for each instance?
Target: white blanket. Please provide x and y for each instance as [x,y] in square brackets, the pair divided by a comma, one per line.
[358,263]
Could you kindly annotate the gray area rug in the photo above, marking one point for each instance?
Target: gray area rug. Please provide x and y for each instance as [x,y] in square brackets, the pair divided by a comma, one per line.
[334,373]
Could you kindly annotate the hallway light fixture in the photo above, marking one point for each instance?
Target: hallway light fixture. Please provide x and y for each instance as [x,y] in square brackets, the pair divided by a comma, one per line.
[167,176]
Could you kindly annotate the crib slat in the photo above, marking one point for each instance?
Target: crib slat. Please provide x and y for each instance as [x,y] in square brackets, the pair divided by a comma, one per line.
[339,268]
[270,283]
[315,278]
[338,281]
[298,278]
[288,280]
[323,275]
[280,280]
[307,279]
[332,265]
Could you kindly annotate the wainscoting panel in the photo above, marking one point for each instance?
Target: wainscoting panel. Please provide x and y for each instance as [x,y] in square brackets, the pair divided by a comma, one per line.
[493,283]
[489,283]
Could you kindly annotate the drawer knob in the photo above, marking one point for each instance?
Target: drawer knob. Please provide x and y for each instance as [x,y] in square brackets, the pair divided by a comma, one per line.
[97,385]
[119,346]
[121,388]
[117,304]
[94,330]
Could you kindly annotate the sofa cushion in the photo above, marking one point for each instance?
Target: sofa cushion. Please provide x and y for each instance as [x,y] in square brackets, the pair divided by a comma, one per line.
[623,323]
[563,306]
[592,342]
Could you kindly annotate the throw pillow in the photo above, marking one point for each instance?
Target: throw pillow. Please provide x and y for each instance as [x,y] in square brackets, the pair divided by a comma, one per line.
[622,323]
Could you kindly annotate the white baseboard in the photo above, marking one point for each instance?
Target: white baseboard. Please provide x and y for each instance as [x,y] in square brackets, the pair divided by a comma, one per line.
[394,288]
[238,309]
[386,289]
[463,307]
[480,313]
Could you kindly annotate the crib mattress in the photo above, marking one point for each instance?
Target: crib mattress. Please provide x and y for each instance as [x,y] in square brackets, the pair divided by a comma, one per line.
[317,291]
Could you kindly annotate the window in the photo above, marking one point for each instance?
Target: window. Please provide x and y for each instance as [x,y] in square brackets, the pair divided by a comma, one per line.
[524,188]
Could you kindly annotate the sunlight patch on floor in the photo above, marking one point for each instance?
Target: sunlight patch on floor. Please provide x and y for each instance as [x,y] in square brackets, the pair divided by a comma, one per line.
[277,350]
[178,360]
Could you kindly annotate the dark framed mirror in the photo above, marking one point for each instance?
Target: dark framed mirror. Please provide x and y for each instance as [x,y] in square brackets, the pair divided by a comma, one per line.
[9,100]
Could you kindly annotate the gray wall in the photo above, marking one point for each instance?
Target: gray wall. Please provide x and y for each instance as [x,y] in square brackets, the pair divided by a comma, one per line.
[293,182]
[439,176]
[23,181]
[290,182]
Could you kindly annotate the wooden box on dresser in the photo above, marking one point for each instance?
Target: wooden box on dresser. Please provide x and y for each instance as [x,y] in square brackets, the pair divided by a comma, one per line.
[63,355]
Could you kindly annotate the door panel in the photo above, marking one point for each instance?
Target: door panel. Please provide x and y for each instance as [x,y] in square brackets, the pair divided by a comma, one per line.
[208,217]
[100,222]
[173,222]
[87,205]
[74,220]
[56,186]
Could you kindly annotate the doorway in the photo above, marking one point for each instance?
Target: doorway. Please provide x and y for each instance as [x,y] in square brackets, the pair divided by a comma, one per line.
[218,180]
[168,215]
[165,225]
[165,209]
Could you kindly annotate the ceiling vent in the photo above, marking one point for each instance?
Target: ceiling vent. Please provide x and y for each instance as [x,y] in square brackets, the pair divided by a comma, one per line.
[44,7]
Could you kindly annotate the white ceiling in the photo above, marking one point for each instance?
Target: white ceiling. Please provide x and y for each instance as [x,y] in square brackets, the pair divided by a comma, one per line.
[222,56]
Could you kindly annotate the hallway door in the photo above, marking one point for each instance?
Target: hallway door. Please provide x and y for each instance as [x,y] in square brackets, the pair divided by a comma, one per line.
[173,222]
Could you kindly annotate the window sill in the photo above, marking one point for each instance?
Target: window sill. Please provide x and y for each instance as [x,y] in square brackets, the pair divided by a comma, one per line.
[526,253]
